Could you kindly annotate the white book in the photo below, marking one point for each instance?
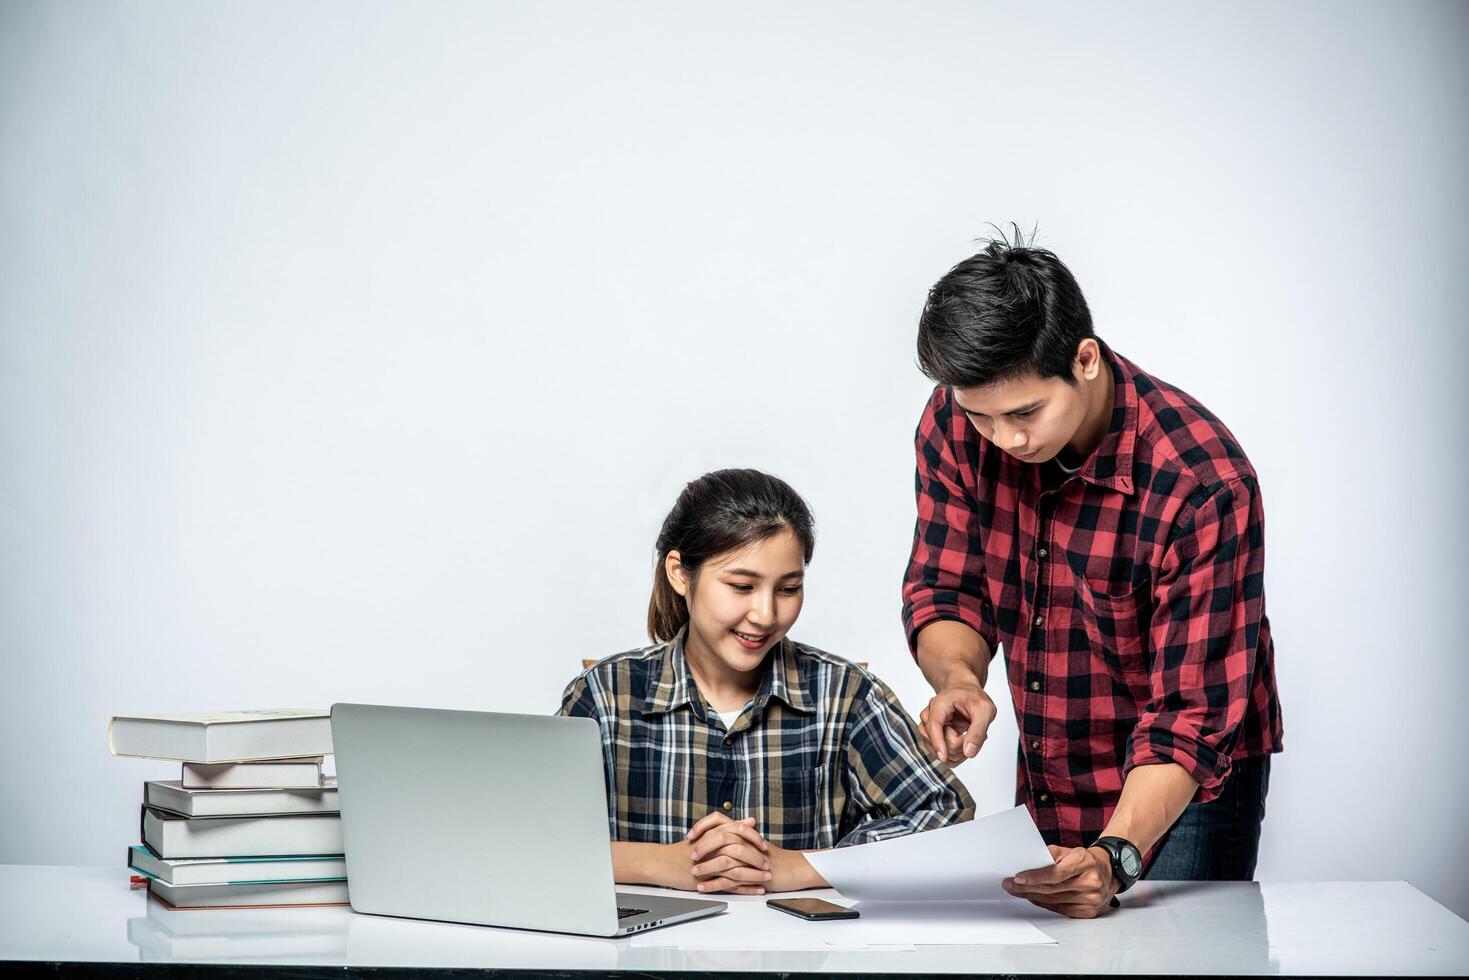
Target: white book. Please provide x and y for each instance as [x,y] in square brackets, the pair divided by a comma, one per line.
[266,774]
[253,895]
[236,870]
[167,794]
[172,836]
[223,736]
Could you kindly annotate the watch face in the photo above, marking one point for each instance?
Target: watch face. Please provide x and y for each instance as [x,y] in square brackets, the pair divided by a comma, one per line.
[1132,863]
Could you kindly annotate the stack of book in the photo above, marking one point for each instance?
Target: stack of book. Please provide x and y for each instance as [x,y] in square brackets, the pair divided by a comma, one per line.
[250,822]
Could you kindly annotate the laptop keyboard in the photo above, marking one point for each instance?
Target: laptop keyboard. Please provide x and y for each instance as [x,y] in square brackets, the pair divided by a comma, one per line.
[623,913]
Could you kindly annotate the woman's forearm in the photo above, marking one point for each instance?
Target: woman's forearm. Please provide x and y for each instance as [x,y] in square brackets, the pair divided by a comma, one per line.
[792,872]
[635,863]
[669,866]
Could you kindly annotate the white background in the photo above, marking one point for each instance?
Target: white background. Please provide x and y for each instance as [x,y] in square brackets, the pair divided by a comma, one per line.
[356,351]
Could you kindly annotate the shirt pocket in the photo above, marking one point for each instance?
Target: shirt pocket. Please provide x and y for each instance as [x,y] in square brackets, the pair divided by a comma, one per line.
[1117,628]
[798,814]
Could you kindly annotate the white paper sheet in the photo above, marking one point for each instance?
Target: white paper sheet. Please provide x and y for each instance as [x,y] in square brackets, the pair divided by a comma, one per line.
[938,888]
[965,862]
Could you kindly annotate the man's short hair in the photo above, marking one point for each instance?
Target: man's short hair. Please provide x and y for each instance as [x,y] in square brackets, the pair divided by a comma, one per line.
[1011,310]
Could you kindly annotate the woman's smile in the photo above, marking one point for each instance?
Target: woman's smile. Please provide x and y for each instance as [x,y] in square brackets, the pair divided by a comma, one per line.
[751,641]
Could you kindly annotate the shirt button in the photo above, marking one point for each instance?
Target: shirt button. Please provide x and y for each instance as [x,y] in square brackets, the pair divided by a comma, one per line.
[1039,620]
[728,740]
[1042,553]
[1035,685]
[728,806]
[1044,797]
[1035,743]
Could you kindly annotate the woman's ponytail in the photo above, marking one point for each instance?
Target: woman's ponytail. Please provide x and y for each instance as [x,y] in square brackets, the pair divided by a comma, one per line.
[667,610]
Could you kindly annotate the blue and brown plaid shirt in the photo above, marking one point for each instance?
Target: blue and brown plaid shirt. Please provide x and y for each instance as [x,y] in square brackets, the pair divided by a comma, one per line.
[822,756]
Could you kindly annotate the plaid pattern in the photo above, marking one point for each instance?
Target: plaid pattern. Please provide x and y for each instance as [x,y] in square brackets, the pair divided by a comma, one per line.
[1129,597]
[823,756]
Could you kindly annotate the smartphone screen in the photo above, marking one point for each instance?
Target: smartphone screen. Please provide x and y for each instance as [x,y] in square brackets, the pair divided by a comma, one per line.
[812,908]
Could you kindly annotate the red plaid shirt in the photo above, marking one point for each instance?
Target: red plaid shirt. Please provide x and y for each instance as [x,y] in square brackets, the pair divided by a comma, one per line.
[1129,597]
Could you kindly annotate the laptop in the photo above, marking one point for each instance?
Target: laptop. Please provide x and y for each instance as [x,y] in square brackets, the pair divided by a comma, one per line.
[486,818]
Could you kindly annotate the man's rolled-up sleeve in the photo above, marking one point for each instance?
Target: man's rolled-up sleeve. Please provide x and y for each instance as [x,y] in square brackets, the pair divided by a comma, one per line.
[1209,603]
[945,578]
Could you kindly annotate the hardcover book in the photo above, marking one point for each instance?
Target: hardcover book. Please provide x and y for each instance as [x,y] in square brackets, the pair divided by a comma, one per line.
[266,774]
[236,870]
[169,795]
[249,896]
[223,736]
[172,836]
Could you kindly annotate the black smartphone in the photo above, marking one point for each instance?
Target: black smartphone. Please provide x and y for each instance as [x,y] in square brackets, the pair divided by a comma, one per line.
[812,909]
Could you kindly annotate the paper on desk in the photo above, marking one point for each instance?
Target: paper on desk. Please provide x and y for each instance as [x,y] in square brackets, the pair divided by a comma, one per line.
[964,862]
[940,888]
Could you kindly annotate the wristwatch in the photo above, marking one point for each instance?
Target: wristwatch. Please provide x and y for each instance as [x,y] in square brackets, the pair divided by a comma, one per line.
[1127,861]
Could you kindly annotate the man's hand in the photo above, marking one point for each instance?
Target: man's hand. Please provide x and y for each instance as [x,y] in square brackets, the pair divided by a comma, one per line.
[955,660]
[729,855]
[1079,885]
[956,722]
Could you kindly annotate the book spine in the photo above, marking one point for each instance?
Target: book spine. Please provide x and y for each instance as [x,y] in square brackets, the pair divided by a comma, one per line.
[132,867]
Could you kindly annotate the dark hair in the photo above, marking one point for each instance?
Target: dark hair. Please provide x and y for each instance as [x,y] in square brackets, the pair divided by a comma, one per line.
[714,514]
[1012,309]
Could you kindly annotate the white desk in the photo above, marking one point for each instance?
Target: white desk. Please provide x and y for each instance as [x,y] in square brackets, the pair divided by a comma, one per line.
[89,920]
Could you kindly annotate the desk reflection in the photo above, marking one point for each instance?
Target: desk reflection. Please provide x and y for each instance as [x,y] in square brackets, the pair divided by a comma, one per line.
[164,935]
[666,958]
[383,940]
[1173,927]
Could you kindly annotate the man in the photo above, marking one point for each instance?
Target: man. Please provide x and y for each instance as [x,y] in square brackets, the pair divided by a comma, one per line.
[1107,529]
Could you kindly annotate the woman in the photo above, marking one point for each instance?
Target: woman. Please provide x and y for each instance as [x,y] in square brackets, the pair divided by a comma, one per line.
[730,748]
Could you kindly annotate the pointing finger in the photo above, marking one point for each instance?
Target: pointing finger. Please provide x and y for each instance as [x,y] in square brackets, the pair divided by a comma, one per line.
[934,731]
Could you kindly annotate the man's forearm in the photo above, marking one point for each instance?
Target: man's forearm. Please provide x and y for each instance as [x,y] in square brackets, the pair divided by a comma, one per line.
[950,653]
[1153,797]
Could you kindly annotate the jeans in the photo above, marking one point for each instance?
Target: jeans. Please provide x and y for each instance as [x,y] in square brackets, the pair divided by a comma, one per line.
[1218,840]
